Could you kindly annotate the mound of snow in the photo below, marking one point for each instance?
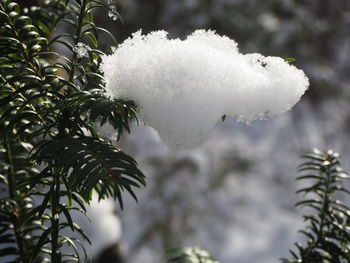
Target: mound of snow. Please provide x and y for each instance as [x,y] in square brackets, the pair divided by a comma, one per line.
[183,87]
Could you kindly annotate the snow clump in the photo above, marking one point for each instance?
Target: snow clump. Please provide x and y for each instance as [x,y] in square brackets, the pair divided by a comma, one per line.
[183,87]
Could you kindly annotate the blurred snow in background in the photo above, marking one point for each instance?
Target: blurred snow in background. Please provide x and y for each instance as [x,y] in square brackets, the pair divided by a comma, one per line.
[103,226]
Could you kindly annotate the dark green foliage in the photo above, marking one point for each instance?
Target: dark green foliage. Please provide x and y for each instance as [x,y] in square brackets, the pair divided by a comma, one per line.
[328,227]
[99,107]
[16,201]
[289,60]
[89,164]
[52,159]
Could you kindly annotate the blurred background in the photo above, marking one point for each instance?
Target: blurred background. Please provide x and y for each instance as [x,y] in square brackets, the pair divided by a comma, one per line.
[234,196]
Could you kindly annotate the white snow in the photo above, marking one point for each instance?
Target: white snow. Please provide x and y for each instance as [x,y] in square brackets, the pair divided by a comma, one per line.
[183,87]
[112,13]
[81,49]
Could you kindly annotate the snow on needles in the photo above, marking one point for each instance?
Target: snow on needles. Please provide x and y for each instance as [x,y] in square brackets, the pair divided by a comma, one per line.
[183,87]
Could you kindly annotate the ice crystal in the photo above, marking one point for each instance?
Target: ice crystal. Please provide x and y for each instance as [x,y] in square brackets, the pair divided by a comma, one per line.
[112,13]
[81,50]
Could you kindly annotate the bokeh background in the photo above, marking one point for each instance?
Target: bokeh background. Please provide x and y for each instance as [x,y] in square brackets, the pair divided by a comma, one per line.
[234,196]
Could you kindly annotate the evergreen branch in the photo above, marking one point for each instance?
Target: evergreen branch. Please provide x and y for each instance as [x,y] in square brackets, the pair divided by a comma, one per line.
[188,255]
[16,209]
[36,101]
[77,38]
[328,230]
[91,164]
